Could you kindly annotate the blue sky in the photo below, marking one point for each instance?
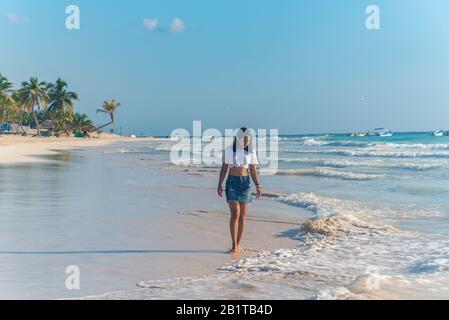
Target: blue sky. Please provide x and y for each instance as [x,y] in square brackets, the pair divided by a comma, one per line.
[299,66]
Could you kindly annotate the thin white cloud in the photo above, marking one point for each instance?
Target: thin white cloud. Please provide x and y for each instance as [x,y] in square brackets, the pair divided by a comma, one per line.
[177,25]
[151,24]
[17,19]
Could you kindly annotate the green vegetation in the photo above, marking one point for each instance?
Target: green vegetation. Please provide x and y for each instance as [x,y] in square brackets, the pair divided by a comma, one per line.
[45,106]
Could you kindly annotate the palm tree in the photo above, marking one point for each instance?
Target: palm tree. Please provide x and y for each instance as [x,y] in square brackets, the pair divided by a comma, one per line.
[82,122]
[34,93]
[109,107]
[62,119]
[5,89]
[12,110]
[18,109]
[60,100]
[5,86]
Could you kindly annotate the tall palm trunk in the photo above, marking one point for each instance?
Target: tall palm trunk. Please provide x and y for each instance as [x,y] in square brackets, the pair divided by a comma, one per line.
[100,127]
[35,120]
[113,122]
[21,123]
[105,125]
[37,123]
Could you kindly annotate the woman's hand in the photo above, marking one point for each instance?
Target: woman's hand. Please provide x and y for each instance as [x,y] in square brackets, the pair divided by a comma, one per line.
[223,172]
[258,191]
[220,190]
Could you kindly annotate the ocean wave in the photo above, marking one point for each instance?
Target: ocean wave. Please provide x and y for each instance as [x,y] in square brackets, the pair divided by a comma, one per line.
[293,138]
[377,163]
[419,166]
[358,211]
[423,146]
[375,286]
[358,214]
[373,152]
[376,144]
[317,142]
[329,173]
[304,138]
[331,147]
[422,189]
[321,162]
[160,146]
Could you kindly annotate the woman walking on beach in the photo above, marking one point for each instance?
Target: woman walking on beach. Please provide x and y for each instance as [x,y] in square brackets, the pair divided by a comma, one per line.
[240,160]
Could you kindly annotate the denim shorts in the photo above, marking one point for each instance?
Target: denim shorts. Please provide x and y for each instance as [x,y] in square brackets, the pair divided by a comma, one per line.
[239,189]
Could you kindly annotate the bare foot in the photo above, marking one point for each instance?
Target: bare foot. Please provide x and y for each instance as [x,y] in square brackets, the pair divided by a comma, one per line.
[234,250]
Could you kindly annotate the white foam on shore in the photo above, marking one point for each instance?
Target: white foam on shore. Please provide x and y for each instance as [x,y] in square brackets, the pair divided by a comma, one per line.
[340,255]
[322,267]
[325,206]
[382,287]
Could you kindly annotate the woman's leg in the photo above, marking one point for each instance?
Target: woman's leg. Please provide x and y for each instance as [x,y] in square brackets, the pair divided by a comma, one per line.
[234,223]
[242,222]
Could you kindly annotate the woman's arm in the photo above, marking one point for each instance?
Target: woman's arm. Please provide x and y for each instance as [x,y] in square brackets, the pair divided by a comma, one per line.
[255,177]
[223,172]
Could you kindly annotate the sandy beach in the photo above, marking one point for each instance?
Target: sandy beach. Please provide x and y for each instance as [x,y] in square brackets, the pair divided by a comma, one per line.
[25,149]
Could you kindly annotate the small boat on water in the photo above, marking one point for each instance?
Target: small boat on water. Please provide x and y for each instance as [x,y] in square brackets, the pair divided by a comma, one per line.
[439,133]
[358,134]
[386,134]
[381,132]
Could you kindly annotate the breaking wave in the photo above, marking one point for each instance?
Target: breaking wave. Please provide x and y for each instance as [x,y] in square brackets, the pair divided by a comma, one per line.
[373,152]
[375,163]
[329,173]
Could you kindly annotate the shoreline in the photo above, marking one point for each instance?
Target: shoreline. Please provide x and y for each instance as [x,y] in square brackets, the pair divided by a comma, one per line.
[27,149]
[204,240]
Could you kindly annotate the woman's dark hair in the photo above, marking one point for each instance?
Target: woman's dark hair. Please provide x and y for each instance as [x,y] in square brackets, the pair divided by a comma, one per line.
[234,147]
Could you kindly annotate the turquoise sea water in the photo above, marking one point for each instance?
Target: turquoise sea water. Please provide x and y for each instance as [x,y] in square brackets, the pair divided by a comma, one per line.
[408,172]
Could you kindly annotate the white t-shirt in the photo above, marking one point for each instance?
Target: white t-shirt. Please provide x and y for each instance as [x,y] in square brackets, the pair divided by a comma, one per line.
[240,158]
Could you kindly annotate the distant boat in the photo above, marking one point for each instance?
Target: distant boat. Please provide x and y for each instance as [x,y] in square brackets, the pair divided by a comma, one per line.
[358,134]
[381,132]
[438,133]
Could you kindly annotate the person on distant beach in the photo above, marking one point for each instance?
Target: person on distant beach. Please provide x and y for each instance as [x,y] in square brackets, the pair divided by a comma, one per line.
[240,160]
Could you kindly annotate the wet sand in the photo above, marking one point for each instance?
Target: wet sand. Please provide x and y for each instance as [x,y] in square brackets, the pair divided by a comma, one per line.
[26,149]
[194,244]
